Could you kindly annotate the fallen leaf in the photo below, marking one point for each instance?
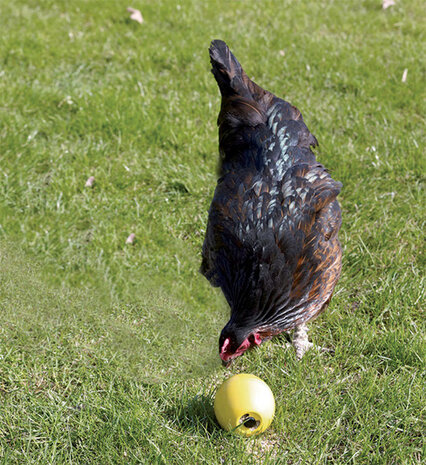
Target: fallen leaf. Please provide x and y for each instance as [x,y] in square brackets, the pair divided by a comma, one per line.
[90,182]
[387,3]
[131,239]
[404,75]
[136,15]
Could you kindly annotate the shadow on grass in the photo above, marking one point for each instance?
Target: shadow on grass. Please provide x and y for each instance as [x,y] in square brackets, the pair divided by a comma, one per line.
[195,415]
[153,338]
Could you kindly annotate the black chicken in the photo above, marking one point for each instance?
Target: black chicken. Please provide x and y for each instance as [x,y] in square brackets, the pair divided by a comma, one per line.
[271,243]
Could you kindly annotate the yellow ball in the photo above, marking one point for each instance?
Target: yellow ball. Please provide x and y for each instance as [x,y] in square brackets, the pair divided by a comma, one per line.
[244,404]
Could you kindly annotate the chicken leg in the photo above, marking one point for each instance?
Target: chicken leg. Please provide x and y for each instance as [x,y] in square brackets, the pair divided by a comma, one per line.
[301,342]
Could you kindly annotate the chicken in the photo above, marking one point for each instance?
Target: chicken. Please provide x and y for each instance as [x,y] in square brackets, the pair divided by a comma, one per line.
[271,242]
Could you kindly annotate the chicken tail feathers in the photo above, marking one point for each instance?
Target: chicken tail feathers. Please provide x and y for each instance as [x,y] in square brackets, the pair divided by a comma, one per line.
[227,70]
[231,78]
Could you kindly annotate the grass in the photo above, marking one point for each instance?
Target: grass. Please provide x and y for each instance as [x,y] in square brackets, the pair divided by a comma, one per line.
[108,351]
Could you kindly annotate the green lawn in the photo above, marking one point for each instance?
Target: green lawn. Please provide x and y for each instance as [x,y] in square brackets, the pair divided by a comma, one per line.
[108,351]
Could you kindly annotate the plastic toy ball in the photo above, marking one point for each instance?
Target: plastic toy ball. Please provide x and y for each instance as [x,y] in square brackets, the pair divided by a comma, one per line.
[245,405]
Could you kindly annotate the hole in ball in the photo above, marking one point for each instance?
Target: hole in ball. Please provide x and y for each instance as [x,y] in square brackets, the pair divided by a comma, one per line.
[249,422]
